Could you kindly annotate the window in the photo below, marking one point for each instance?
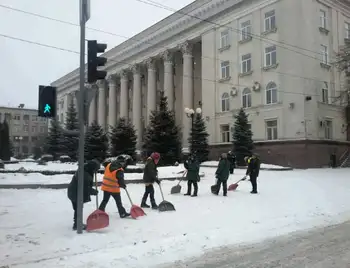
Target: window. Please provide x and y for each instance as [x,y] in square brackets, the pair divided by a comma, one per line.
[61,118]
[246,65]
[270,56]
[224,39]
[325,93]
[42,129]
[246,98]
[324,53]
[225,133]
[17,117]
[347,30]
[323,19]
[271,93]
[34,118]
[249,125]
[25,128]
[246,30]
[225,102]
[225,70]
[26,119]
[271,129]
[270,21]
[34,128]
[328,129]
[62,104]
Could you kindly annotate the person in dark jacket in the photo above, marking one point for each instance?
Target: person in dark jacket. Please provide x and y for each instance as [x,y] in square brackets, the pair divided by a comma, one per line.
[150,176]
[90,168]
[113,180]
[232,159]
[192,166]
[222,174]
[253,171]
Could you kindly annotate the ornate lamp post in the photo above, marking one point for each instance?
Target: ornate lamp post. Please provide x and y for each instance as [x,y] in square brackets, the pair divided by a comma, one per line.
[190,113]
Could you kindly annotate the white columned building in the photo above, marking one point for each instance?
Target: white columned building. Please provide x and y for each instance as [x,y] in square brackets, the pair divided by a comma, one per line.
[249,54]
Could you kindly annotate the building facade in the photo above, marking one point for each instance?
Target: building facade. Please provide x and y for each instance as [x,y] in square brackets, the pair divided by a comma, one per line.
[25,128]
[272,57]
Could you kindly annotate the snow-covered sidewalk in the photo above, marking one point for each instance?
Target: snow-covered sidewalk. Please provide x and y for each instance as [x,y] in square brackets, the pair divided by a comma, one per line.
[35,225]
[262,166]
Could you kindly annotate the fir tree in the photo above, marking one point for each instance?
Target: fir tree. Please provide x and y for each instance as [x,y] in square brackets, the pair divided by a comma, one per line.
[162,134]
[71,140]
[123,138]
[96,143]
[54,139]
[198,138]
[5,146]
[242,137]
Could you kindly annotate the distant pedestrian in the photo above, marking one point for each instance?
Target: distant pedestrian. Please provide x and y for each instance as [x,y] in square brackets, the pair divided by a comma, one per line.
[222,173]
[192,166]
[253,170]
[113,180]
[90,168]
[232,159]
[150,176]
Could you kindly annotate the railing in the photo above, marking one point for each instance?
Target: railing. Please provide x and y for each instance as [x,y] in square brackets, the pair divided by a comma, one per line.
[344,158]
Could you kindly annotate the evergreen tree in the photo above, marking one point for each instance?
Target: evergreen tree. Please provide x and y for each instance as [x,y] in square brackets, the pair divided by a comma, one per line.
[162,134]
[54,145]
[123,138]
[242,137]
[96,143]
[5,146]
[198,138]
[71,140]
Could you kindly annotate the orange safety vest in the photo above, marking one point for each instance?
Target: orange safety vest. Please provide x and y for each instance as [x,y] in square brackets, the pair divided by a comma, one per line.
[110,182]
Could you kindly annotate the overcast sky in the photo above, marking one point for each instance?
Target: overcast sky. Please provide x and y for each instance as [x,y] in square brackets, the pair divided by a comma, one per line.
[24,66]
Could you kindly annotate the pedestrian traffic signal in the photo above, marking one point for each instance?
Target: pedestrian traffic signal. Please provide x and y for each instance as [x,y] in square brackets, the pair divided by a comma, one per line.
[94,62]
[47,101]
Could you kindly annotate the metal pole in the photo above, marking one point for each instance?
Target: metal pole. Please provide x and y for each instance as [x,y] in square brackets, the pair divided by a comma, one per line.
[80,201]
[192,117]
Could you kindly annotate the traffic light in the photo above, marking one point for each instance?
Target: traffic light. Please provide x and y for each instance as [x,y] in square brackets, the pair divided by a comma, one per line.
[47,101]
[94,62]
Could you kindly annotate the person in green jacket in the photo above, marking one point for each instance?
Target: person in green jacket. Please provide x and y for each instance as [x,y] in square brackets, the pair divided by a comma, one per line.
[222,174]
[192,166]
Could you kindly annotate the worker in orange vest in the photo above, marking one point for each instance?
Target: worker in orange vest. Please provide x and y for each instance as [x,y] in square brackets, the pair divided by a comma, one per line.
[113,180]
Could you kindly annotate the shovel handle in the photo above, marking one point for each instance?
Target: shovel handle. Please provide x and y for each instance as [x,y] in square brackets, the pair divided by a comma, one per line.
[127,193]
[96,186]
[183,175]
[161,191]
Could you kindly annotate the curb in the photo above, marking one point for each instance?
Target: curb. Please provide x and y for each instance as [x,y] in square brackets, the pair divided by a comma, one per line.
[269,169]
[63,172]
[65,185]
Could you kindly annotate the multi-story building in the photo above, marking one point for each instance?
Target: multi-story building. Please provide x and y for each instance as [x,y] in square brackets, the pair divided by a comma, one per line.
[25,128]
[272,57]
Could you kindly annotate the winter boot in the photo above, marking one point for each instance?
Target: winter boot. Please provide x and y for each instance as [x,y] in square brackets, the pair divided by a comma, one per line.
[75,227]
[125,215]
[154,206]
[186,194]
[253,192]
[144,205]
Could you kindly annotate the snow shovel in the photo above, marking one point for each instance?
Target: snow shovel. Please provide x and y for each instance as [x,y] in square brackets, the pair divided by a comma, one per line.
[177,188]
[135,211]
[165,205]
[234,186]
[214,188]
[97,219]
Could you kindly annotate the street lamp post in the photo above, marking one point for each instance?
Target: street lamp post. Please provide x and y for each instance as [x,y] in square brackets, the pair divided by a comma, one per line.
[19,139]
[190,113]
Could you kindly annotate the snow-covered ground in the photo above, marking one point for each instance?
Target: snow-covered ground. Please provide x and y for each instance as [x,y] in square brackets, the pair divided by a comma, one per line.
[263,166]
[37,178]
[35,225]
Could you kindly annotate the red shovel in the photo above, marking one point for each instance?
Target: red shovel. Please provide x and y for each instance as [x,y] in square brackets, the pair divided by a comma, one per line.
[135,211]
[97,219]
[234,186]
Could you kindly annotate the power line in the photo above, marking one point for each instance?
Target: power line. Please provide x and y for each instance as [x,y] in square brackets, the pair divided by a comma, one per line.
[267,40]
[202,56]
[130,64]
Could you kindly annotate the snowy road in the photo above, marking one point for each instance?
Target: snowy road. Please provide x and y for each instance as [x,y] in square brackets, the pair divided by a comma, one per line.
[326,247]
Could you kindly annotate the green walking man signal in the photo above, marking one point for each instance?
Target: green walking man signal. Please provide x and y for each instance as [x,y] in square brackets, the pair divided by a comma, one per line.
[47,101]
[47,109]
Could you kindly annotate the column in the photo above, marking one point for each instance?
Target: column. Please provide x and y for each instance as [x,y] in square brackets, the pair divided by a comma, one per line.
[168,78]
[136,105]
[92,109]
[124,95]
[151,88]
[112,105]
[187,88]
[101,103]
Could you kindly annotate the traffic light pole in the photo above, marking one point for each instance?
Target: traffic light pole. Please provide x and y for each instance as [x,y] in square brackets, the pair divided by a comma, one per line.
[80,201]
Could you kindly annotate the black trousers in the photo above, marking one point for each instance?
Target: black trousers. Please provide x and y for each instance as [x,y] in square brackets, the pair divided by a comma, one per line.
[253,181]
[189,187]
[74,205]
[232,170]
[224,187]
[117,199]
[149,191]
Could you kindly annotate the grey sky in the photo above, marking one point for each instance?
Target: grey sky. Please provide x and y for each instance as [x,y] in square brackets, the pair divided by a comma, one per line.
[24,66]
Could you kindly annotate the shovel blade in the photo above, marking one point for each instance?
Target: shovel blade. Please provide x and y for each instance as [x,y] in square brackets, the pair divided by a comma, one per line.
[214,189]
[176,189]
[233,187]
[166,206]
[136,212]
[97,220]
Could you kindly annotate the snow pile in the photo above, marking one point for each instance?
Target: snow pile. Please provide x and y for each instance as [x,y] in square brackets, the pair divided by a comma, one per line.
[263,166]
[35,226]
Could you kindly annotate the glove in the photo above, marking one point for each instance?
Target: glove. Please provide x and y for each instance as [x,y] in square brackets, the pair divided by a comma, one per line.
[244,178]
[93,192]
[123,186]
[158,181]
